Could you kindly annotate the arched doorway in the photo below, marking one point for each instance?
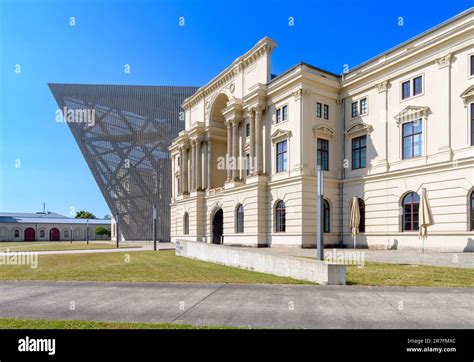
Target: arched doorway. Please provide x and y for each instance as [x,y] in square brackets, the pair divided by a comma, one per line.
[30,234]
[217,227]
[54,234]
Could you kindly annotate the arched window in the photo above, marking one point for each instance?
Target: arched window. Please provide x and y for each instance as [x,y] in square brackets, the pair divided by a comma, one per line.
[326,217]
[239,219]
[16,233]
[280,217]
[410,205]
[186,223]
[66,233]
[471,210]
[42,234]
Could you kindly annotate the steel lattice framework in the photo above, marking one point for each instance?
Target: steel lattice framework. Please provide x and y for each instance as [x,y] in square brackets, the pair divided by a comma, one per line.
[126,148]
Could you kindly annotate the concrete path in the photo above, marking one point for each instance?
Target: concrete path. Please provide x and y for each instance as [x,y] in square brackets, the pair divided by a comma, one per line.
[147,247]
[273,306]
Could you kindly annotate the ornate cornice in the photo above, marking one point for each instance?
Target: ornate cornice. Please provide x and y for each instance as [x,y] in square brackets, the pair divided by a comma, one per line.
[322,129]
[281,133]
[382,87]
[298,94]
[468,95]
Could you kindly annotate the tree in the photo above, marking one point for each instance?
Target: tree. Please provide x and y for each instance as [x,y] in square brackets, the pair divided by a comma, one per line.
[85,215]
[107,217]
[102,231]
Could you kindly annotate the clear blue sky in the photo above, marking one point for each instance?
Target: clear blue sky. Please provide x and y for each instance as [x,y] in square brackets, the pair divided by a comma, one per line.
[147,35]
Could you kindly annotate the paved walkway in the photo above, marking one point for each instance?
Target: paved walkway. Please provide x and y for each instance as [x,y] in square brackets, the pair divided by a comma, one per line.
[160,246]
[272,306]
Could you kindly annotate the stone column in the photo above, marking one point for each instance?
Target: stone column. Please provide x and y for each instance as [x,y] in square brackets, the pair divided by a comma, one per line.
[252,141]
[193,165]
[198,165]
[209,163]
[229,150]
[235,148]
[180,187]
[204,165]
[259,140]
[184,167]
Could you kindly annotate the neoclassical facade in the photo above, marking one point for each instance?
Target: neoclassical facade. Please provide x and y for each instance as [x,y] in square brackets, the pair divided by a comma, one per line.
[244,168]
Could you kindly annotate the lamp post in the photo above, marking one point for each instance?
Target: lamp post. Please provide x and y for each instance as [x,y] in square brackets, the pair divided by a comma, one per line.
[154,227]
[320,214]
[87,232]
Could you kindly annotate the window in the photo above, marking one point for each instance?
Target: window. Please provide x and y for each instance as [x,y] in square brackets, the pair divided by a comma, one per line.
[284,113]
[278,115]
[178,183]
[326,217]
[412,139]
[359,152]
[280,217]
[410,205]
[247,156]
[417,85]
[186,224]
[66,233]
[362,215]
[326,111]
[282,156]
[412,87]
[42,234]
[406,90]
[471,209]
[355,109]
[323,154]
[247,130]
[472,124]
[16,234]
[239,219]
[472,64]
[363,106]
[319,111]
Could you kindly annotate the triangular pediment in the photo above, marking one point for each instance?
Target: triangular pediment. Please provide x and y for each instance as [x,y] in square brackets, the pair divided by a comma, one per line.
[411,113]
[324,129]
[358,127]
[468,94]
[281,133]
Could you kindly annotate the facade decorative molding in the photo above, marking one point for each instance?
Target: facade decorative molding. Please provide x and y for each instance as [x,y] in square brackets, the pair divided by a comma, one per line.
[411,113]
[280,133]
[298,94]
[468,95]
[382,87]
[358,127]
[324,130]
[444,61]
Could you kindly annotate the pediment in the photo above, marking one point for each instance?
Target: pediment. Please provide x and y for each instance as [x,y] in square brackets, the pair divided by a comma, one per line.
[359,127]
[468,94]
[324,130]
[280,133]
[411,113]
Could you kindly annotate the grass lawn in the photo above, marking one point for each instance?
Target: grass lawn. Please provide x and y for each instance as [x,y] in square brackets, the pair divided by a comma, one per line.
[137,266]
[409,275]
[13,323]
[63,245]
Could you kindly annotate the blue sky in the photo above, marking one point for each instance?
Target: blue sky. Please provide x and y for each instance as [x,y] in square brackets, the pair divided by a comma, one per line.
[147,35]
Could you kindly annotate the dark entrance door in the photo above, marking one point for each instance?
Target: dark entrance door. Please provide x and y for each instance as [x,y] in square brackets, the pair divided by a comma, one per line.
[30,234]
[218,227]
[54,234]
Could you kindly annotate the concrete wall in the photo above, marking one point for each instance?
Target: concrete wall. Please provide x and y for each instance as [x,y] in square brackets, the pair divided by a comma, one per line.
[298,268]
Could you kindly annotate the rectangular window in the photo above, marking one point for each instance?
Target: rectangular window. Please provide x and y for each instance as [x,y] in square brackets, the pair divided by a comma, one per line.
[326,111]
[412,139]
[359,152]
[278,115]
[281,156]
[355,109]
[472,64]
[363,106]
[406,89]
[247,167]
[319,112]
[323,154]
[472,124]
[284,113]
[417,85]
[247,130]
